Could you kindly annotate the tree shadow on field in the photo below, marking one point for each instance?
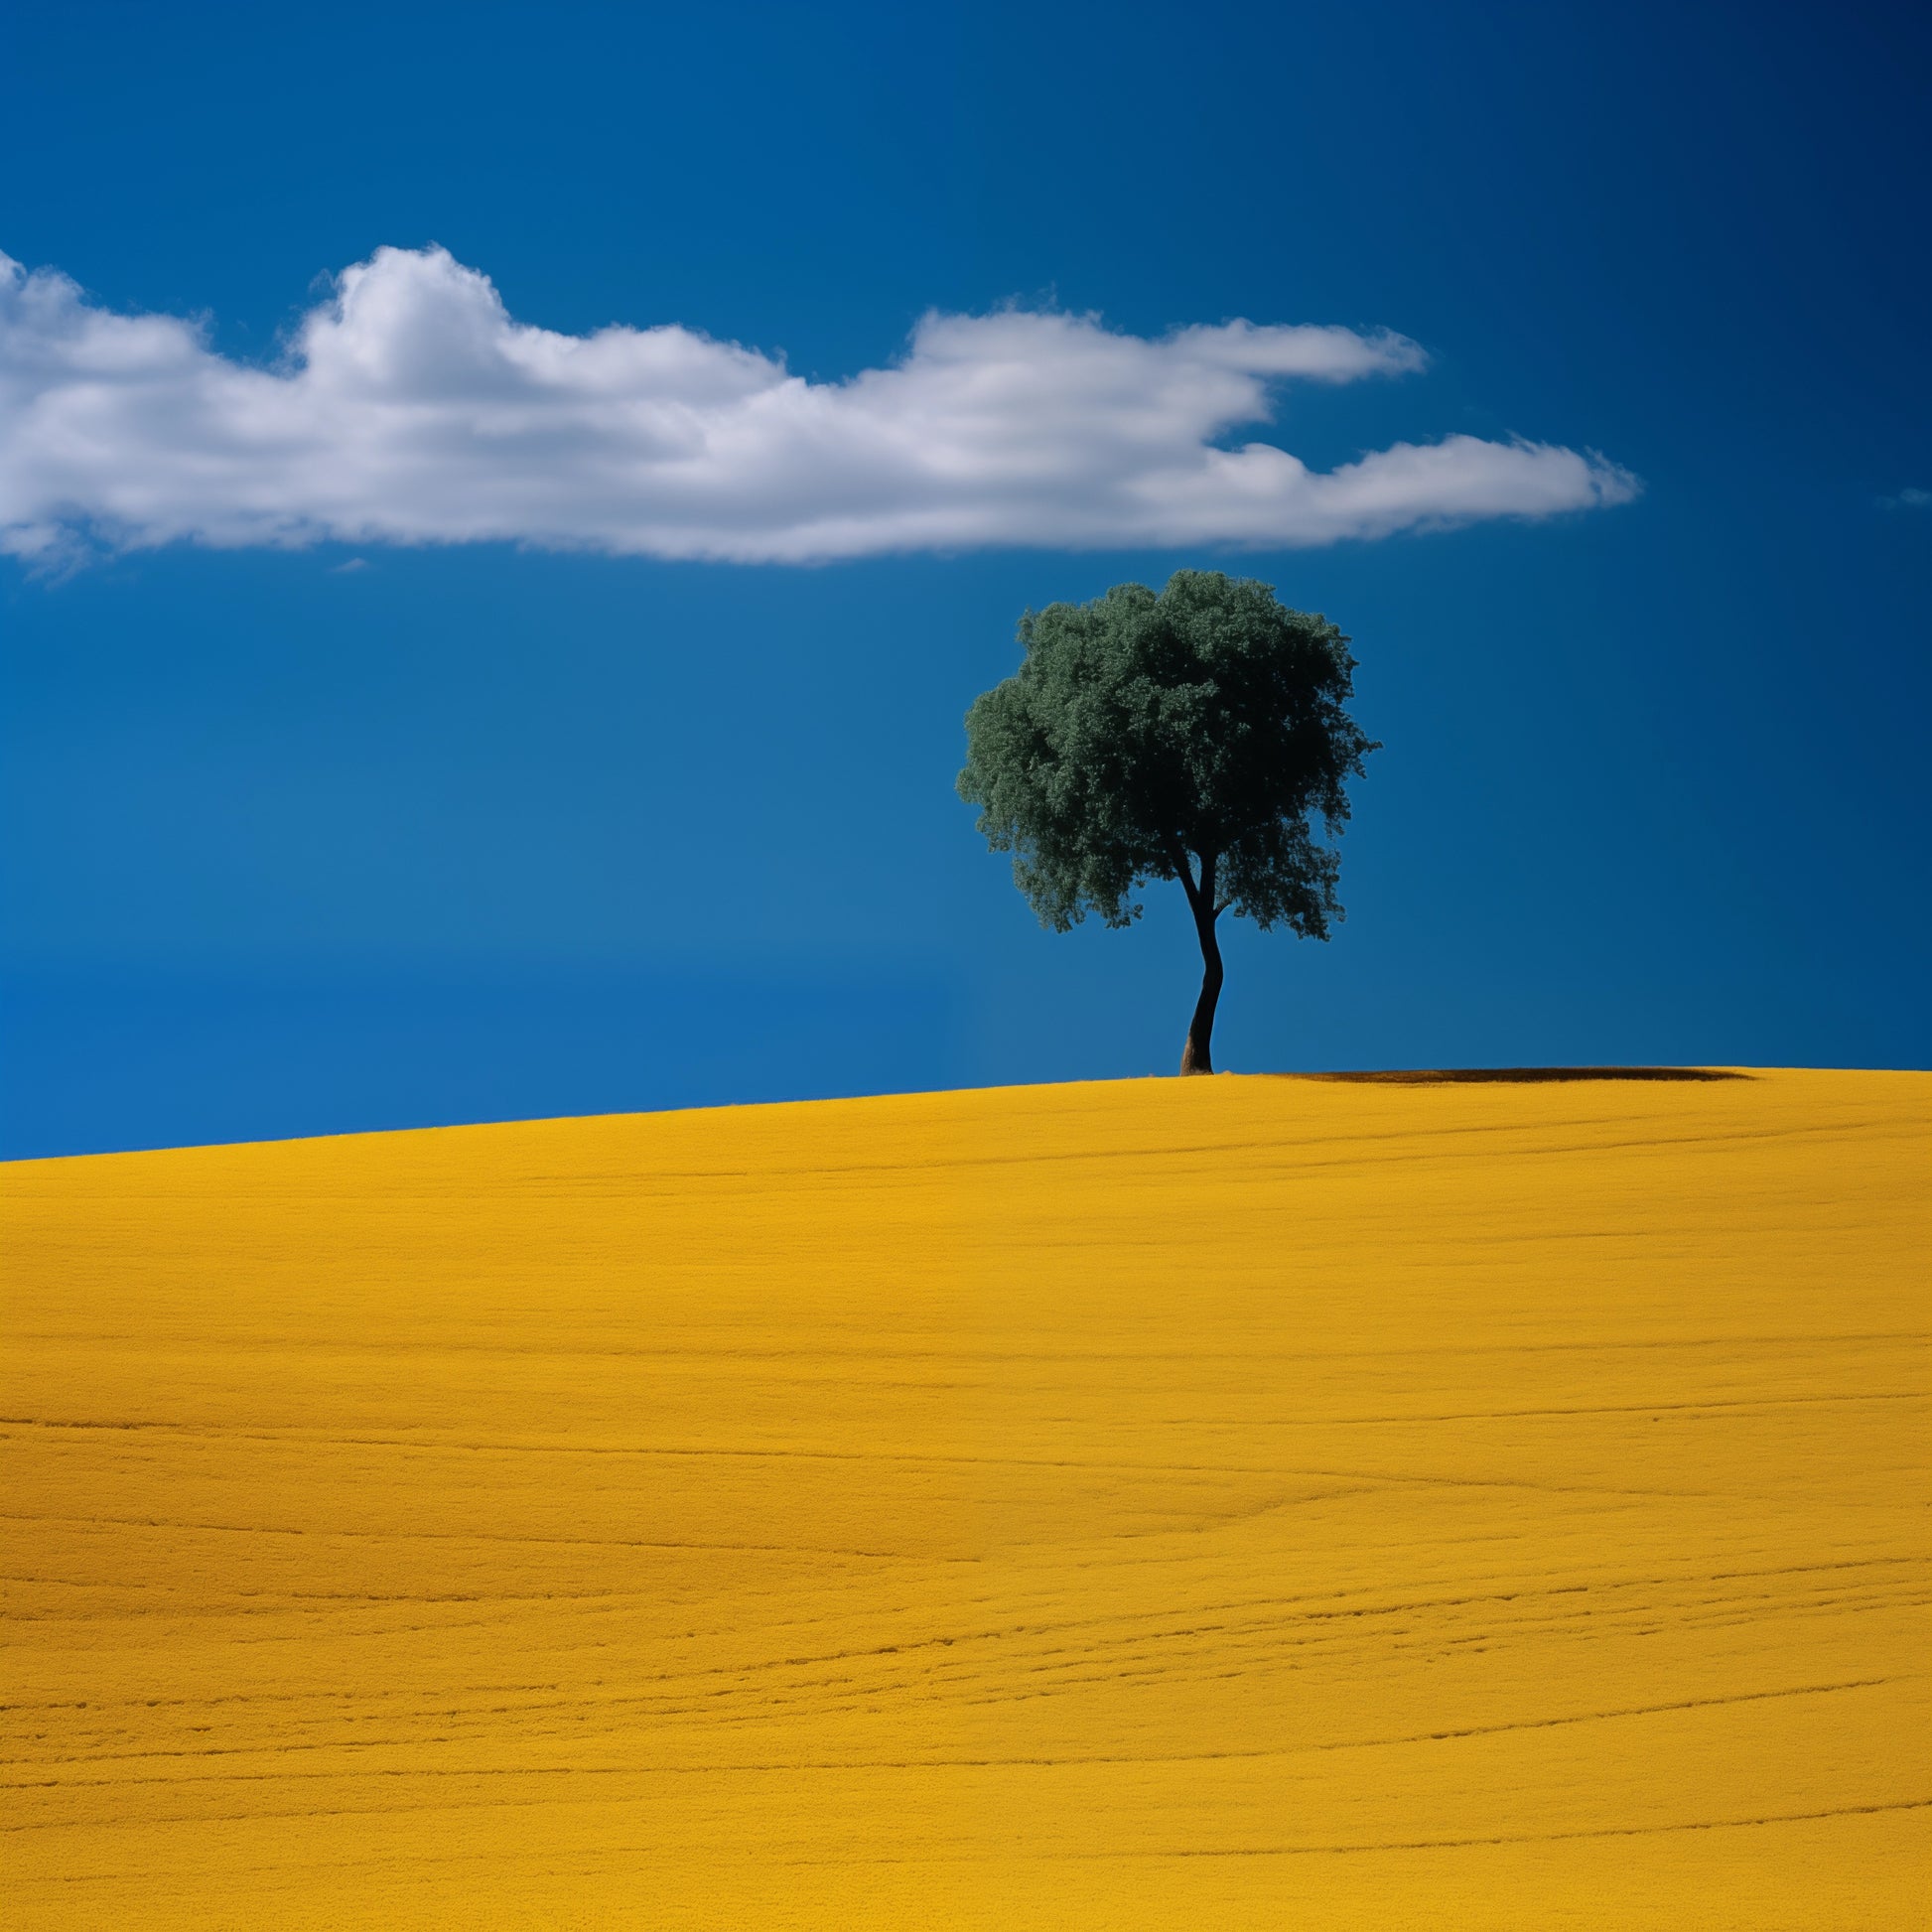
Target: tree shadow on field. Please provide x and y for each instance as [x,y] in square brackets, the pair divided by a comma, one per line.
[1498,1075]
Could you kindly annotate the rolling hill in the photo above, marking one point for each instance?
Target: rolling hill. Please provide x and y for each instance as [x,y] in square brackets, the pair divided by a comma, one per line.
[1202,1505]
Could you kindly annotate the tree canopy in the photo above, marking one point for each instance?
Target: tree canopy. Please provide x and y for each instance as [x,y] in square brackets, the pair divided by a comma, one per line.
[1197,735]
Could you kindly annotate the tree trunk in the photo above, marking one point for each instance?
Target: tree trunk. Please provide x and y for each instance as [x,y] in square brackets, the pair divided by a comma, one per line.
[1196,1056]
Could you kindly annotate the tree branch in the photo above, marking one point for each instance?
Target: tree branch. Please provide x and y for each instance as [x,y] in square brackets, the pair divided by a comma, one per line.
[1209,864]
[1177,857]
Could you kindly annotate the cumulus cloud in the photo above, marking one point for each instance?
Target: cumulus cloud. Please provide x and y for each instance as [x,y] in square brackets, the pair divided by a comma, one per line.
[411,408]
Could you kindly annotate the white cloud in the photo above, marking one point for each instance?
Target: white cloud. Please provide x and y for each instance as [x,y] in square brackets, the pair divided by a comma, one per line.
[411,408]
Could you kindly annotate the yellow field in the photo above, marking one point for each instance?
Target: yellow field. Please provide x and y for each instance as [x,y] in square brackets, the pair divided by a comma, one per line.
[1223,1503]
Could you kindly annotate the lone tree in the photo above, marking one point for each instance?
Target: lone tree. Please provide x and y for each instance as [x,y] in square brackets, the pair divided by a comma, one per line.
[1198,736]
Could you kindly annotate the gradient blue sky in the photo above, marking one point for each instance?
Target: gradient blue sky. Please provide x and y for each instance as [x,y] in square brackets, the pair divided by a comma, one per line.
[481,832]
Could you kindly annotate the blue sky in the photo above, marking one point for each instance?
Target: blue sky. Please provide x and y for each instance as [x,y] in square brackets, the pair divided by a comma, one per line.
[305,836]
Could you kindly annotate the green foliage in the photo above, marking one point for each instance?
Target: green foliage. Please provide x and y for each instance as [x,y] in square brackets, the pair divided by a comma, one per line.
[1197,735]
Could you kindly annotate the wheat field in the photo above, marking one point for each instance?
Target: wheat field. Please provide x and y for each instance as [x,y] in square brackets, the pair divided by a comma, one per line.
[1239,1502]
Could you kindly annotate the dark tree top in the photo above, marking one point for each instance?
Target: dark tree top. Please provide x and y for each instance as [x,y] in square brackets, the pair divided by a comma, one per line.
[1197,735]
